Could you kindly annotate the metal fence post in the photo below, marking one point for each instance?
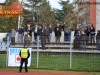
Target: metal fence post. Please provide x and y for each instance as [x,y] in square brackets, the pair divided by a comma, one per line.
[71,41]
[7,56]
[37,51]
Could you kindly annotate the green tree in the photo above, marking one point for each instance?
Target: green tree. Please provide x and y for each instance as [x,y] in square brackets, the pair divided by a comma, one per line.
[46,15]
[67,14]
[39,12]
[6,23]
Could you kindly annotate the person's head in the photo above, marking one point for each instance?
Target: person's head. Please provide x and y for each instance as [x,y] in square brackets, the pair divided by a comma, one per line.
[42,30]
[79,32]
[26,32]
[28,24]
[22,27]
[98,31]
[6,34]
[40,26]
[25,46]
[12,29]
[57,28]
[45,27]
[66,25]
[36,25]
[91,24]
[50,26]
[91,27]
[83,32]
[57,24]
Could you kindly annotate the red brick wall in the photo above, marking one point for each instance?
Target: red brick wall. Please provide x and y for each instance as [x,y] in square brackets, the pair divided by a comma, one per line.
[93,12]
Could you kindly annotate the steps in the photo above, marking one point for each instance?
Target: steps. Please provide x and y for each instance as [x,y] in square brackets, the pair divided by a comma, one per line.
[4,46]
[64,46]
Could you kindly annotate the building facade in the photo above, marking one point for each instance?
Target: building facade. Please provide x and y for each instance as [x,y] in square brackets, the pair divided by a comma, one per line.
[89,12]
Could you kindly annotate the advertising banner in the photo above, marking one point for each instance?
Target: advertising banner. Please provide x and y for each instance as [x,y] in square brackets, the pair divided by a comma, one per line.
[14,58]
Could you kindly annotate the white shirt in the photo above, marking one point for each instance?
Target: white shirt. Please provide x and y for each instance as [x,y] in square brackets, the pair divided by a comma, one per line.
[35,29]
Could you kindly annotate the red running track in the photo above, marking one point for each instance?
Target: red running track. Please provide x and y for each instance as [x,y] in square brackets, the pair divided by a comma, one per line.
[35,73]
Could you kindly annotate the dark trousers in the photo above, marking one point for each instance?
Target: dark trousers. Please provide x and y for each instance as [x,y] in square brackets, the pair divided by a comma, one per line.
[92,39]
[35,36]
[23,60]
[57,40]
[43,44]
[13,40]
[47,39]
[65,36]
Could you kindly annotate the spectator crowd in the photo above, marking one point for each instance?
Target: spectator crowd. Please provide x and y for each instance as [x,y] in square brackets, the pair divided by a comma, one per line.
[42,35]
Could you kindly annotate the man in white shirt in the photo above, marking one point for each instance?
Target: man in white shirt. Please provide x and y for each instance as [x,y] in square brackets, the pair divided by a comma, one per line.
[35,32]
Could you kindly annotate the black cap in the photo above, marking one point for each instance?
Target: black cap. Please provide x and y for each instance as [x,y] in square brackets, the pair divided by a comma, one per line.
[25,45]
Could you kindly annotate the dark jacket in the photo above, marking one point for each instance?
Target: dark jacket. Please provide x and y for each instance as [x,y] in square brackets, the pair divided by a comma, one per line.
[92,32]
[39,30]
[50,30]
[83,37]
[55,29]
[58,33]
[87,32]
[46,32]
[98,36]
[42,38]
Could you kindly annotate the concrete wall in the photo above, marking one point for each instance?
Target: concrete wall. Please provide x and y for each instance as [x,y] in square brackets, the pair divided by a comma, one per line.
[98,15]
[2,35]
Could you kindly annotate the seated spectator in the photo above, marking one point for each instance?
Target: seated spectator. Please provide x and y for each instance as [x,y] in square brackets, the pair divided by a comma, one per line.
[6,38]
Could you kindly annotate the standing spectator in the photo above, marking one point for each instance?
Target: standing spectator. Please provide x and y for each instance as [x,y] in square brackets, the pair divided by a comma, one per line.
[98,40]
[35,32]
[38,34]
[50,32]
[42,38]
[9,35]
[57,26]
[27,39]
[55,29]
[83,40]
[29,30]
[92,35]
[66,33]
[86,30]
[13,34]
[24,54]
[77,40]
[80,27]
[76,32]
[58,35]
[46,32]
[89,27]
[20,34]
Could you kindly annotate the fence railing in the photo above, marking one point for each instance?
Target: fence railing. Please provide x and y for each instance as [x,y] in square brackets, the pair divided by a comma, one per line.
[62,56]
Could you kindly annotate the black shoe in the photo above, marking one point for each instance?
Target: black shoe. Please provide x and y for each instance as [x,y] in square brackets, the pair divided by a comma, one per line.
[19,71]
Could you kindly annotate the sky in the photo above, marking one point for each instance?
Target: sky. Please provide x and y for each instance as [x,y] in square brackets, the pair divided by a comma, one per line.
[53,3]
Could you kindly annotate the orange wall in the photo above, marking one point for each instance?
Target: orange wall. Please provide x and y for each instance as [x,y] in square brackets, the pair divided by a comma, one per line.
[93,12]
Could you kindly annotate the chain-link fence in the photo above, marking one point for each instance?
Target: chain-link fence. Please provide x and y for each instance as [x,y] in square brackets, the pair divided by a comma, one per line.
[71,54]
[62,56]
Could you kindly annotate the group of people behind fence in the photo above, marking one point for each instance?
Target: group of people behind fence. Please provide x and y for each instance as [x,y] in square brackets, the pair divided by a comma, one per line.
[42,34]
[86,36]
